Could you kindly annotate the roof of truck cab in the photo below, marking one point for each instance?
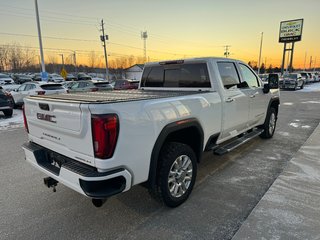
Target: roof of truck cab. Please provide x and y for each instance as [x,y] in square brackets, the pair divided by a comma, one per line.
[199,59]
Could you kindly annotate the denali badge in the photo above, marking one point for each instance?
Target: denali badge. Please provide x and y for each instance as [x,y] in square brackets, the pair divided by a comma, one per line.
[46,117]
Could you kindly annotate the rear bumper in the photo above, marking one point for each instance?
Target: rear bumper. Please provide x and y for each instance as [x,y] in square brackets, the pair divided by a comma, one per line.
[78,176]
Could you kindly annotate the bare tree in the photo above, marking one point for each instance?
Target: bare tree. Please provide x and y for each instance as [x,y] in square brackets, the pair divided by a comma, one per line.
[93,58]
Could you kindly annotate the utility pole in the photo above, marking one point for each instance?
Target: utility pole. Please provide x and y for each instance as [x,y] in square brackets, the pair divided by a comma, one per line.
[40,39]
[144,36]
[226,51]
[314,64]
[260,53]
[75,62]
[310,62]
[103,39]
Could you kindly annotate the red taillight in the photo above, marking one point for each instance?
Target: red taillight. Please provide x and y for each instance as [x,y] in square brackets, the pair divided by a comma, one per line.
[41,92]
[25,119]
[105,129]
[94,89]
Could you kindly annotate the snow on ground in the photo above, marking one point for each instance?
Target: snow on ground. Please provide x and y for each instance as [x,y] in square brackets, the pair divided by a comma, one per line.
[16,121]
[313,87]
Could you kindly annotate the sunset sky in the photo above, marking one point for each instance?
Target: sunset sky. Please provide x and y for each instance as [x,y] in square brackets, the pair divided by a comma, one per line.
[176,28]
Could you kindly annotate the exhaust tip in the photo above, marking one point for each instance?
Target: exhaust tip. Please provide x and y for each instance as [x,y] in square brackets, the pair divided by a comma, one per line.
[98,202]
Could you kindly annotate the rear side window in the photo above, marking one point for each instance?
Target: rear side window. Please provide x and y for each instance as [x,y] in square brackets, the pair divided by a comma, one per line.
[51,86]
[228,74]
[178,76]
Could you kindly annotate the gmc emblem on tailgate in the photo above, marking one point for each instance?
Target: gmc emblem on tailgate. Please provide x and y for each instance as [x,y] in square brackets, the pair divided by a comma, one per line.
[46,117]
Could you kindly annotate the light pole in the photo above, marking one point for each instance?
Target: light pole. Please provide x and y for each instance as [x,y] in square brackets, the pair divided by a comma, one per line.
[260,53]
[62,60]
[40,39]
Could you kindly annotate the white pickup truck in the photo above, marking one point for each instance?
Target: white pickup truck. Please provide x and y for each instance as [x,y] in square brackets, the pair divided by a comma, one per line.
[103,143]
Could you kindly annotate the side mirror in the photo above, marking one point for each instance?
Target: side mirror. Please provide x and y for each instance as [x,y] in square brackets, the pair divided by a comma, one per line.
[273,81]
[266,88]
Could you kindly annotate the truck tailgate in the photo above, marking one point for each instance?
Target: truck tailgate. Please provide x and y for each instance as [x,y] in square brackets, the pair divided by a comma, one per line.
[61,127]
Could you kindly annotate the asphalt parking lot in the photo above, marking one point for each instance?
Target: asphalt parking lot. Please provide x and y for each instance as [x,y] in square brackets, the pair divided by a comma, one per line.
[227,189]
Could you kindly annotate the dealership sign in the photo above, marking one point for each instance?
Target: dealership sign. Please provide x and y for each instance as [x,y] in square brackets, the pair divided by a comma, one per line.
[291,31]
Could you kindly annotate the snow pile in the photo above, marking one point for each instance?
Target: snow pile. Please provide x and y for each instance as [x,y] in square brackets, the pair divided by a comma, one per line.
[16,121]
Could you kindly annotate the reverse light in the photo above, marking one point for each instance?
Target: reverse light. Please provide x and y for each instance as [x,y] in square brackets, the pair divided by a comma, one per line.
[25,119]
[105,130]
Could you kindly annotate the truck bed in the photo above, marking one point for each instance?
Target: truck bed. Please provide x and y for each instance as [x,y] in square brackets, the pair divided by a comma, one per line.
[113,96]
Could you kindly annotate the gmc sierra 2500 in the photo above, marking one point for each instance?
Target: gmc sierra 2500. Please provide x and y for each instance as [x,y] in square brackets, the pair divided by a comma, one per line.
[102,143]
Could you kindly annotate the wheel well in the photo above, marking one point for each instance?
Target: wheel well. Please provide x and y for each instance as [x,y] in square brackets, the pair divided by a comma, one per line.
[189,136]
[275,105]
[189,133]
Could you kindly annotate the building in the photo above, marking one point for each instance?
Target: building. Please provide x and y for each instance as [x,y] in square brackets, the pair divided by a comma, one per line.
[134,72]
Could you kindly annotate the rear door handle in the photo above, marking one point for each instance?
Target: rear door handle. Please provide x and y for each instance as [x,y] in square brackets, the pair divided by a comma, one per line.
[228,100]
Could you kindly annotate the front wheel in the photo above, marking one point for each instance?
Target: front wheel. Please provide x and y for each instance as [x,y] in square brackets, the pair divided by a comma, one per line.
[269,125]
[301,87]
[177,173]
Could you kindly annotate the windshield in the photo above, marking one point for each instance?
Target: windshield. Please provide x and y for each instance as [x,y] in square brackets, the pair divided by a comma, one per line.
[290,76]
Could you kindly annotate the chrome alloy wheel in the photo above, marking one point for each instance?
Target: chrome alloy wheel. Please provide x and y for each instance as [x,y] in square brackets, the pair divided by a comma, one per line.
[272,123]
[180,176]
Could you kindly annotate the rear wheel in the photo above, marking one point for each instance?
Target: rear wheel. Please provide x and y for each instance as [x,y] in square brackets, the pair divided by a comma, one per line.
[177,174]
[269,125]
[301,87]
[8,112]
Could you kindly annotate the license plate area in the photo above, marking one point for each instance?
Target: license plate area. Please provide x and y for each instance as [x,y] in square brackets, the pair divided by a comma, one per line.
[51,161]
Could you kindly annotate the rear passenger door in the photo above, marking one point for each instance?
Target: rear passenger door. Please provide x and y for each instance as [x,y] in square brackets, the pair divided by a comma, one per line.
[235,103]
[258,100]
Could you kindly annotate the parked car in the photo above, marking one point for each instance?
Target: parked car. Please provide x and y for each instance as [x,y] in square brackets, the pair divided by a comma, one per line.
[6,103]
[264,77]
[10,87]
[83,76]
[68,84]
[126,84]
[5,79]
[37,77]
[292,81]
[89,86]
[307,77]
[71,77]
[36,88]
[20,79]
[55,78]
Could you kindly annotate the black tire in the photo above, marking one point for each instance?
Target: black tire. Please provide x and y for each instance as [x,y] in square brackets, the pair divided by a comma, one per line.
[302,86]
[270,123]
[8,112]
[172,156]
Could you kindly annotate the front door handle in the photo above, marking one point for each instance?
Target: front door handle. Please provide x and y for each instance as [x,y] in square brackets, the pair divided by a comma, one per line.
[254,95]
[228,100]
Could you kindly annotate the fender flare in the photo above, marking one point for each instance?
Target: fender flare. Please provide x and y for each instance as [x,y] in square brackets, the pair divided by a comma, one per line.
[165,132]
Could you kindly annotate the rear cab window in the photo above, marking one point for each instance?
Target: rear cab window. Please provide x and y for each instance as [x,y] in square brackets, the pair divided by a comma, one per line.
[187,75]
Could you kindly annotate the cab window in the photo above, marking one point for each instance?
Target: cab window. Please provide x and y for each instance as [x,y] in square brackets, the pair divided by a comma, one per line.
[228,74]
[248,76]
